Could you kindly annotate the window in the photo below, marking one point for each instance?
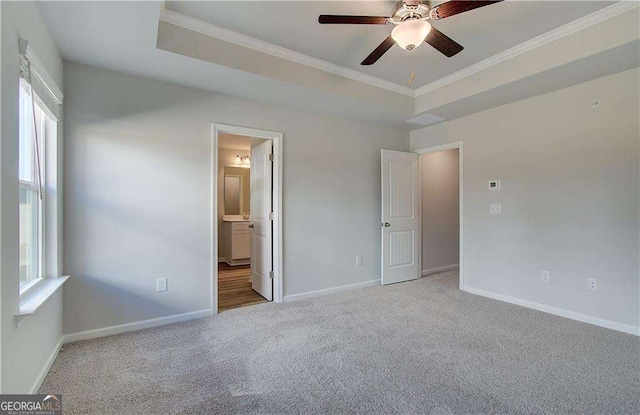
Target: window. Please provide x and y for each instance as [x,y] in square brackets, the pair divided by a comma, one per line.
[31,177]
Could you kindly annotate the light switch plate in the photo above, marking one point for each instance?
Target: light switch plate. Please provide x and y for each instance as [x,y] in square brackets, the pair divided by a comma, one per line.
[495,208]
[494,185]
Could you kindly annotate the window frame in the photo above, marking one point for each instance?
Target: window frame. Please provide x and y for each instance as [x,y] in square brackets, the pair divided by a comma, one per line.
[38,187]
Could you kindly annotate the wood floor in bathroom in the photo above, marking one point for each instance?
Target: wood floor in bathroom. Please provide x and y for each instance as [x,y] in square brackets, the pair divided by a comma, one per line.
[234,287]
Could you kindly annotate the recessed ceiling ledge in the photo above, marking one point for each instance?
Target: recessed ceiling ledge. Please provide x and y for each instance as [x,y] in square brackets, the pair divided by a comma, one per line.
[570,43]
[208,29]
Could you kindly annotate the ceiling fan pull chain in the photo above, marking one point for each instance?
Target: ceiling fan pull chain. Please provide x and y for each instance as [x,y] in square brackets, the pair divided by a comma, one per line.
[412,76]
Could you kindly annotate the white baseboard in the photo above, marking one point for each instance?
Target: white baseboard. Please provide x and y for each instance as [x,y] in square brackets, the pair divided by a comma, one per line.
[439,269]
[311,294]
[138,325]
[45,369]
[625,328]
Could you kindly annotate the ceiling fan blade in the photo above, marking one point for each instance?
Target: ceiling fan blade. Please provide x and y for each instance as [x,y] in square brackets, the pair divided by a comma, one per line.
[333,19]
[379,51]
[443,43]
[454,7]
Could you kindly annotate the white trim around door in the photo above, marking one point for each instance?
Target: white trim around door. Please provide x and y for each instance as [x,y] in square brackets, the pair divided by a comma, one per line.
[444,147]
[278,261]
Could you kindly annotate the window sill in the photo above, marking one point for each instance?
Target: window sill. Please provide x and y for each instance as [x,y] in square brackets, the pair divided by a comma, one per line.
[30,286]
[36,296]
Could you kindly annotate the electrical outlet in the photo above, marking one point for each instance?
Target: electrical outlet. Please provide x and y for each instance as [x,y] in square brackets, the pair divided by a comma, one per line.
[161,285]
[592,284]
[495,208]
[358,261]
[545,276]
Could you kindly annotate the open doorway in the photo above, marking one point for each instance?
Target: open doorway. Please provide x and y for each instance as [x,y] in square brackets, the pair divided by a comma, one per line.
[235,288]
[246,264]
[440,214]
[403,220]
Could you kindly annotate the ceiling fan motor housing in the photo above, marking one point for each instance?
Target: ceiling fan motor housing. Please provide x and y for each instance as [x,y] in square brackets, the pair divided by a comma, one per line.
[409,10]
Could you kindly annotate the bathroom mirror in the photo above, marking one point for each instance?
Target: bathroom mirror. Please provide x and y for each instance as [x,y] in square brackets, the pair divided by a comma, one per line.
[232,193]
[236,190]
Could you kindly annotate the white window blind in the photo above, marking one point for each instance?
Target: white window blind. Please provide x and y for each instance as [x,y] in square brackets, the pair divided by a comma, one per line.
[47,92]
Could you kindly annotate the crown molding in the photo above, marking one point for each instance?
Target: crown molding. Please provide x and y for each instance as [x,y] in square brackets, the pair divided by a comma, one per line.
[208,29]
[599,16]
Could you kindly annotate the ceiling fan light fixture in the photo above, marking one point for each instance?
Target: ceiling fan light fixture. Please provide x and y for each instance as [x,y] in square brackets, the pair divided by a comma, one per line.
[411,33]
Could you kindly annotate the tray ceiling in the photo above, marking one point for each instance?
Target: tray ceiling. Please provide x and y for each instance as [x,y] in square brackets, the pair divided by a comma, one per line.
[293,25]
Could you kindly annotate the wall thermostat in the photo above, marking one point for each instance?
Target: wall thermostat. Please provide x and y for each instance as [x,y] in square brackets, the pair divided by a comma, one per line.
[494,184]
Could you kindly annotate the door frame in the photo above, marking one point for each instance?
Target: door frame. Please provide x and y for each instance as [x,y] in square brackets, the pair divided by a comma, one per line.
[436,149]
[278,258]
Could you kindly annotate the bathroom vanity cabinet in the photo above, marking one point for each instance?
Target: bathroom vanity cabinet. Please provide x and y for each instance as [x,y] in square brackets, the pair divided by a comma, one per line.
[237,241]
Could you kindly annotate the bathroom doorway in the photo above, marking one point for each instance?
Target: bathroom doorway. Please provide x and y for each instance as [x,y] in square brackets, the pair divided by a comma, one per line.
[245,236]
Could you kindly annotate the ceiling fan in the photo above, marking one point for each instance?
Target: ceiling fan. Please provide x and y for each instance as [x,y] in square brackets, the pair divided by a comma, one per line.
[410,18]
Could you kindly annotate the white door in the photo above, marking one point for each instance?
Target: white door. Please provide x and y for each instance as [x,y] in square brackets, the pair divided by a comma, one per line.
[261,224]
[401,237]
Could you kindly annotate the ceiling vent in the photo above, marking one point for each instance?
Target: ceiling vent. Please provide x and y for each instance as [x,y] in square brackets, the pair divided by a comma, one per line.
[426,119]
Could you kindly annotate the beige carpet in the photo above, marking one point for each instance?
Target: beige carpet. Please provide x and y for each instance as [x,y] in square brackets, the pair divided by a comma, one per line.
[417,348]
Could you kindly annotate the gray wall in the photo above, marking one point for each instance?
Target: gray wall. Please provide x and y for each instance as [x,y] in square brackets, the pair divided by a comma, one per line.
[138,195]
[570,184]
[439,181]
[25,351]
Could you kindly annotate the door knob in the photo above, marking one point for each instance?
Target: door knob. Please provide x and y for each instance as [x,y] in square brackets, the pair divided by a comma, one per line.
[251,226]
[386,224]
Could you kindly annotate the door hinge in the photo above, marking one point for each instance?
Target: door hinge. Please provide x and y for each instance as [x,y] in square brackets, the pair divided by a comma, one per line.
[271,274]
[270,157]
[271,215]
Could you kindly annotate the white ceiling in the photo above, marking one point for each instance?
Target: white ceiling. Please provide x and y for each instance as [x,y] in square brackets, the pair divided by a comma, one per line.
[121,36]
[294,25]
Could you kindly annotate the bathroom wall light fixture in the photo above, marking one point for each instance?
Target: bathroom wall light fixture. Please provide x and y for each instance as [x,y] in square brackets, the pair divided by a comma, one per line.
[243,160]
